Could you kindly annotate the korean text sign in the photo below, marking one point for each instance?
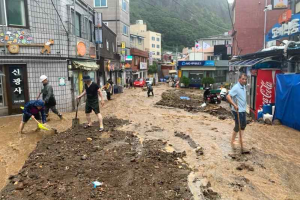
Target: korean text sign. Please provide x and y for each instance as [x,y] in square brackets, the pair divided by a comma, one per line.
[16,80]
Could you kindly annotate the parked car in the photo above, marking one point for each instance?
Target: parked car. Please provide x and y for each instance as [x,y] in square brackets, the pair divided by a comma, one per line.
[149,81]
[139,82]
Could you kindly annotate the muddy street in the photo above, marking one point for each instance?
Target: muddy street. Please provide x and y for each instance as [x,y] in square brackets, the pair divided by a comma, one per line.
[209,168]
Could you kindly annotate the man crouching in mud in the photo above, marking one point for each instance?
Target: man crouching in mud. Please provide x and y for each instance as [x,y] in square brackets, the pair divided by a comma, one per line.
[237,99]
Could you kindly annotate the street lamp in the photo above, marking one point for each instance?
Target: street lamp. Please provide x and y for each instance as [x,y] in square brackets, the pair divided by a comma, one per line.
[267,7]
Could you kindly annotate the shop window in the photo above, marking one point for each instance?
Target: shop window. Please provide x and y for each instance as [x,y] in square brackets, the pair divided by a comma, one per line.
[13,13]
[100,3]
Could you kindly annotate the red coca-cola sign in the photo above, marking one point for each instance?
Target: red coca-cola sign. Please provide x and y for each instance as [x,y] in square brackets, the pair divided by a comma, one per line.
[265,89]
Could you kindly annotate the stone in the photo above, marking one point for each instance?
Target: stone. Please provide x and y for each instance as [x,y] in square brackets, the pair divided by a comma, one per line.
[268,121]
[84,157]
[276,122]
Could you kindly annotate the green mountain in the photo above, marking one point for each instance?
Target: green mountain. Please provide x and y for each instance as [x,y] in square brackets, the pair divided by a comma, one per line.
[181,22]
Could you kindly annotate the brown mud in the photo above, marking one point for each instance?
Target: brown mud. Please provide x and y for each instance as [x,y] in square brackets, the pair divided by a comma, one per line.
[63,166]
[171,98]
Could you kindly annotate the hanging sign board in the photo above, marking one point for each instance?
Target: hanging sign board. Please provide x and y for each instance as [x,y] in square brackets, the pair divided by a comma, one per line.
[16,80]
[280,4]
[284,30]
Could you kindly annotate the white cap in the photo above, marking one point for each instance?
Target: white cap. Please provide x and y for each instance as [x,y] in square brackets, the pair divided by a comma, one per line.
[43,77]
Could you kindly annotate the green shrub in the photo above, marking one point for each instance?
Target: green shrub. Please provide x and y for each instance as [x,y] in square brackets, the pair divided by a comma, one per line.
[186,81]
[208,80]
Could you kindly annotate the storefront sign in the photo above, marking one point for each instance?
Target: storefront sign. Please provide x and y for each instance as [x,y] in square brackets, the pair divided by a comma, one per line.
[123,45]
[16,75]
[93,52]
[128,58]
[285,17]
[197,63]
[98,20]
[280,4]
[61,81]
[143,65]
[98,36]
[284,30]
[81,49]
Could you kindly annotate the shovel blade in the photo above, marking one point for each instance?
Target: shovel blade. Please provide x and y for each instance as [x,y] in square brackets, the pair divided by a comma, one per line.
[41,126]
[75,123]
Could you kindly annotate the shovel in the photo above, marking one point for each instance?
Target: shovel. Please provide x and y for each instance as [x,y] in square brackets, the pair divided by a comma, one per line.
[240,132]
[75,122]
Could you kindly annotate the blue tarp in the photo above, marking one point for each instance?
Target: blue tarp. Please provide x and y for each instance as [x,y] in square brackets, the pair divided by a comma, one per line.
[288,100]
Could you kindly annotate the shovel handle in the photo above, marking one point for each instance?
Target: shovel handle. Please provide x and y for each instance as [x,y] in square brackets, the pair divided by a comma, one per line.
[240,131]
[78,101]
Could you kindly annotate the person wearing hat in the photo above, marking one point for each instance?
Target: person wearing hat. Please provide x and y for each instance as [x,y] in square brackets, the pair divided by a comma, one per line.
[33,109]
[48,97]
[92,90]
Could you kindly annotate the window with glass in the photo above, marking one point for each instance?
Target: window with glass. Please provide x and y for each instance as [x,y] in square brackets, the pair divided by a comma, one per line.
[140,40]
[76,23]
[153,38]
[13,13]
[113,47]
[87,28]
[91,31]
[157,39]
[124,5]
[157,53]
[125,29]
[131,39]
[157,46]
[153,45]
[100,3]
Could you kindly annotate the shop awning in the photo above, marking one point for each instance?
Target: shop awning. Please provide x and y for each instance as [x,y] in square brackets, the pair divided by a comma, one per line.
[86,65]
[250,62]
[246,63]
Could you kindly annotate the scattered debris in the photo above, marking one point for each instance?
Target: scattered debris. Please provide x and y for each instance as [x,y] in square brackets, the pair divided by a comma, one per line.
[199,151]
[191,142]
[245,166]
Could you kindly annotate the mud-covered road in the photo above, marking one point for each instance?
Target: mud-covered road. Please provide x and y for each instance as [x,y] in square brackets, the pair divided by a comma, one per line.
[270,171]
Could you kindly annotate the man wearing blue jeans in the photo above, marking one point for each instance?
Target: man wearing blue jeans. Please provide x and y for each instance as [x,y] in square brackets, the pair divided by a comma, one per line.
[237,99]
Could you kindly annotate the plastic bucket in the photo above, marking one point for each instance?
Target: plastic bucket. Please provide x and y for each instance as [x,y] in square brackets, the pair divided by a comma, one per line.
[267,109]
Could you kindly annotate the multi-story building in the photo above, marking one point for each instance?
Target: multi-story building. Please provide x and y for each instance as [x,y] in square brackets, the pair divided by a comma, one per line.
[137,65]
[115,15]
[152,39]
[248,19]
[40,38]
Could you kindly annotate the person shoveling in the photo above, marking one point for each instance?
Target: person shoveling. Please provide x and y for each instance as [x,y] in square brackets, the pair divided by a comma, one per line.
[35,110]
[150,89]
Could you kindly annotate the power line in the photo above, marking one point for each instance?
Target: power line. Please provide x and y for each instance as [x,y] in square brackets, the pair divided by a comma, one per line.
[59,17]
[196,16]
